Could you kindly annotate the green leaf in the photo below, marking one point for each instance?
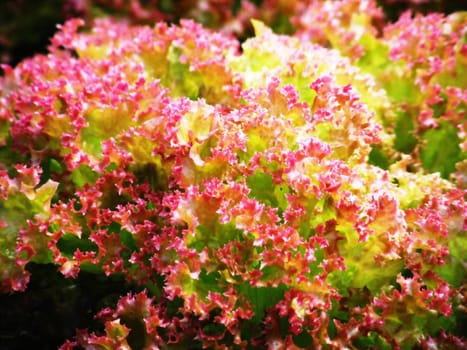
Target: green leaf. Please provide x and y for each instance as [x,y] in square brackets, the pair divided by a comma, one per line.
[4,130]
[441,151]
[401,89]
[114,227]
[342,280]
[282,24]
[372,341]
[209,282]
[405,140]
[43,197]
[271,273]
[180,79]
[213,329]
[261,298]
[69,243]
[315,268]
[91,142]
[127,238]
[455,270]
[303,340]
[213,238]
[336,313]
[378,157]
[204,284]
[262,188]
[84,175]
[254,144]
[375,57]
[55,166]
[301,83]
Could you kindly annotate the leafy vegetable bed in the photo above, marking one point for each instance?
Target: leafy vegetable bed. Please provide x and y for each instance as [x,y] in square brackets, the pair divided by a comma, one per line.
[302,191]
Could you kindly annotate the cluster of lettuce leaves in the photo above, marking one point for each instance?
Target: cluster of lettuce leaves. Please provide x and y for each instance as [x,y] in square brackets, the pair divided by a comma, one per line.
[302,191]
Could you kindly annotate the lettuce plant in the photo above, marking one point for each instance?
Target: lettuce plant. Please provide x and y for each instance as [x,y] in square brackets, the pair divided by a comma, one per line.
[418,61]
[234,187]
